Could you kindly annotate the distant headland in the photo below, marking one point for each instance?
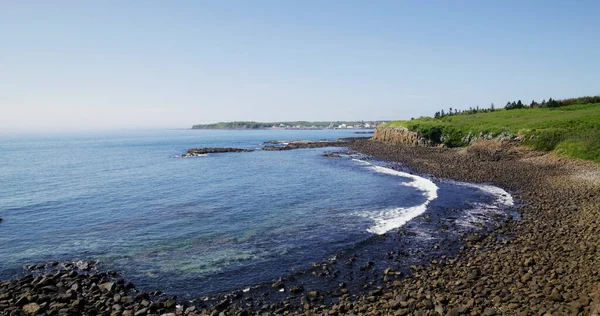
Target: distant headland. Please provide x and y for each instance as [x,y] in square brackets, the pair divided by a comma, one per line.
[291,125]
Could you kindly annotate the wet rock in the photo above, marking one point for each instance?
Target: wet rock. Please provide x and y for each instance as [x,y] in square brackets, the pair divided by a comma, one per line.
[222,305]
[296,289]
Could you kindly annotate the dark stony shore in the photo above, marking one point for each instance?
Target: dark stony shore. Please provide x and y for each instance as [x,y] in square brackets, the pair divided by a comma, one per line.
[547,263]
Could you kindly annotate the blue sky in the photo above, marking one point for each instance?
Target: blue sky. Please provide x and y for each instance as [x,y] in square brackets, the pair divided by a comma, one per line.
[116,64]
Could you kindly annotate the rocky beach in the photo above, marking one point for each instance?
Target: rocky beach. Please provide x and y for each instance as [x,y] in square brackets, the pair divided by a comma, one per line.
[546,262]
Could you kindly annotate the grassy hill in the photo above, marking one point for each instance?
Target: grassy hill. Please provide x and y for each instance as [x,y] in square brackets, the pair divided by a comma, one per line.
[572,130]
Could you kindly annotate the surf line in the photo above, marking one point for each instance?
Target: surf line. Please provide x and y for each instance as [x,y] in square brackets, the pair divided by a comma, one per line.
[388,219]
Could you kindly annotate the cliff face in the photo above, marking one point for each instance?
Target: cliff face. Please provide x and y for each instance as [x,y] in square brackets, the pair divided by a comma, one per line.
[400,136]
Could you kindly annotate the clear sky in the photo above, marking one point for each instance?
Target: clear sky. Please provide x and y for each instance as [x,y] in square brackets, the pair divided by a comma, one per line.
[115,64]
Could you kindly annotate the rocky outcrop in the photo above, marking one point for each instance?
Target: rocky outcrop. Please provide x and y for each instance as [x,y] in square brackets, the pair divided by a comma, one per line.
[303,144]
[400,136]
[203,151]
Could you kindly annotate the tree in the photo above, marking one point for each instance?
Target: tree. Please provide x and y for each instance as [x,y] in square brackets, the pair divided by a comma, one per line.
[492,107]
[519,105]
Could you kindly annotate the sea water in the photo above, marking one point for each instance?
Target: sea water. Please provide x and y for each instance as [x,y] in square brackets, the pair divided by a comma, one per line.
[204,225]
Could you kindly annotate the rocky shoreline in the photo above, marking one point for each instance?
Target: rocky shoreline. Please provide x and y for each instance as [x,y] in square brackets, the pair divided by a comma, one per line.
[547,263]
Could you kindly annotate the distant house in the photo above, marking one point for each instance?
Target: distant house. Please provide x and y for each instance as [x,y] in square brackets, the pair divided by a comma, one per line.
[342,126]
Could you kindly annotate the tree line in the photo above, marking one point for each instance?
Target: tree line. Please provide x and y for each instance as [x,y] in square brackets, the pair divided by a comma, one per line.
[551,103]
[471,110]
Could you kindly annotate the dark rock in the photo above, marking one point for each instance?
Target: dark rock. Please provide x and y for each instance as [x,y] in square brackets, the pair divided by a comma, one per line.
[306,144]
[296,289]
[22,301]
[375,293]
[203,151]
[222,305]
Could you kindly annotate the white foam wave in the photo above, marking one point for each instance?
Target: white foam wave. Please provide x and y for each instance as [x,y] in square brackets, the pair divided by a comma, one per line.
[386,220]
[360,161]
[480,213]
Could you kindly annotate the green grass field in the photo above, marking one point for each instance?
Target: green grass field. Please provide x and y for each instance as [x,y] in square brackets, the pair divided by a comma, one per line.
[572,131]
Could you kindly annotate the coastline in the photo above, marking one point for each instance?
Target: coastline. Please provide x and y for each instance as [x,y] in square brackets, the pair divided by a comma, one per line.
[493,273]
[546,263]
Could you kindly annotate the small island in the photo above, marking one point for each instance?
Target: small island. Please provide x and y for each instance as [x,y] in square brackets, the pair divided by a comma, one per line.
[296,125]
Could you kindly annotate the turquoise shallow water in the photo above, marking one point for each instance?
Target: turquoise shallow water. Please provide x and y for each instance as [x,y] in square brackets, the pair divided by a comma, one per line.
[191,226]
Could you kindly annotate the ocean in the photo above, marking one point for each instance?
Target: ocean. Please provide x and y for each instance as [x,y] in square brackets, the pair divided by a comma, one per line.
[207,225]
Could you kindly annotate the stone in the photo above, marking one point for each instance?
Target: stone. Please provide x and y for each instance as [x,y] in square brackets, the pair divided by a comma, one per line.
[222,305]
[22,301]
[439,309]
[107,286]
[170,303]
[489,312]
[31,308]
[296,289]
[555,296]
[458,311]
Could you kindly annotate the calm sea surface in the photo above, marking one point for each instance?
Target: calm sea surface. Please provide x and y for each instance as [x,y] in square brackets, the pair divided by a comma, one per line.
[197,225]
